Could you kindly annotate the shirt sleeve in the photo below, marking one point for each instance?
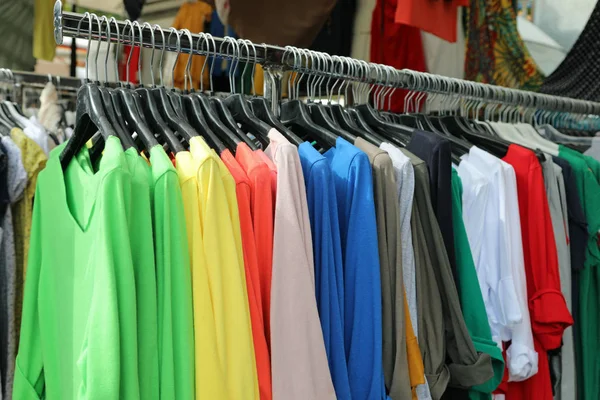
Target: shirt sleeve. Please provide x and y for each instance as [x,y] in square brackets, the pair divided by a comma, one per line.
[522,359]
[549,313]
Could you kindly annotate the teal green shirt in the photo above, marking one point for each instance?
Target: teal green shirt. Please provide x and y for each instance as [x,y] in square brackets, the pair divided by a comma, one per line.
[173,274]
[471,299]
[78,334]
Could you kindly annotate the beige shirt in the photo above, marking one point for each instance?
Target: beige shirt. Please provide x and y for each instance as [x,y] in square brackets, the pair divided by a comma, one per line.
[299,362]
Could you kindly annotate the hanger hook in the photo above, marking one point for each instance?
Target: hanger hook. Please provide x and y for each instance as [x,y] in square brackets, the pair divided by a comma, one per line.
[162,53]
[241,43]
[111,20]
[153,44]
[99,21]
[87,56]
[178,49]
[187,71]
[201,40]
[139,69]
[211,39]
[234,59]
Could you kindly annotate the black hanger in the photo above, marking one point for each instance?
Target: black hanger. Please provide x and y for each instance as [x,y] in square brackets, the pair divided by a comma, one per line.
[347,123]
[196,116]
[263,111]
[242,113]
[225,116]
[294,113]
[319,115]
[90,117]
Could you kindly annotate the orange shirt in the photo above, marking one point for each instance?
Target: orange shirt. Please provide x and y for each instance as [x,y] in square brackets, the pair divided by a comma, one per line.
[261,204]
[243,192]
[273,171]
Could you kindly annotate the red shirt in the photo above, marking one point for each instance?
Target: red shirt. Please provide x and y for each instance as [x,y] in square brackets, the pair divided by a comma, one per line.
[434,16]
[547,306]
[261,205]
[261,351]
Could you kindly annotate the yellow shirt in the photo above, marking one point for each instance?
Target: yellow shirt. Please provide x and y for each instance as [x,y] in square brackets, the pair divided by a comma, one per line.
[209,374]
[214,226]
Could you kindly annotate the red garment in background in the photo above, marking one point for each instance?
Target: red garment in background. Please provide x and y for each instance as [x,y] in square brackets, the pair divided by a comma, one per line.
[434,16]
[397,45]
[547,306]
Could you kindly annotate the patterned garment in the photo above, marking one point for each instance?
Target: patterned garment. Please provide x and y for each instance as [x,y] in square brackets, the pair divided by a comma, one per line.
[577,75]
[496,53]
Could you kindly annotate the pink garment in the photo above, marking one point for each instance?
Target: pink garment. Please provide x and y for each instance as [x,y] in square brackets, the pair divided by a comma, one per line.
[299,362]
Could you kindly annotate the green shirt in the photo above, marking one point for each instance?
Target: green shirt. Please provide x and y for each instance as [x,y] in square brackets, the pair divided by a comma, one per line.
[587,173]
[173,274]
[471,299]
[78,335]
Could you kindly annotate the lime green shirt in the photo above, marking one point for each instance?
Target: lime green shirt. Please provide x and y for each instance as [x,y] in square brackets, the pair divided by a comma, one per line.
[174,287]
[78,336]
[471,299]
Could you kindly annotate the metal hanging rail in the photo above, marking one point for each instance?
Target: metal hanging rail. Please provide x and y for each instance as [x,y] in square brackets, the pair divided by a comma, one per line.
[30,79]
[278,58]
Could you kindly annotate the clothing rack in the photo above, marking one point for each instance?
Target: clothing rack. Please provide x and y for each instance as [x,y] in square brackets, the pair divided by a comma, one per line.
[276,59]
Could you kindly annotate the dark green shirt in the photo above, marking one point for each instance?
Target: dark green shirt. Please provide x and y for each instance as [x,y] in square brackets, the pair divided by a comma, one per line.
[471,299]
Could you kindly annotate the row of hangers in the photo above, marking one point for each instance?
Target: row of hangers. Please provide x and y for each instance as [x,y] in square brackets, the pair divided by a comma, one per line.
[146,116]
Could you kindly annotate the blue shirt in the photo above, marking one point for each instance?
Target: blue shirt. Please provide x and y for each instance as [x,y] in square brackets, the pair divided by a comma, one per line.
[360,260]
[327,250]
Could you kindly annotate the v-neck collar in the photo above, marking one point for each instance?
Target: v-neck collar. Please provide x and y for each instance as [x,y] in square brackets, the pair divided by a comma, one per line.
[79,184]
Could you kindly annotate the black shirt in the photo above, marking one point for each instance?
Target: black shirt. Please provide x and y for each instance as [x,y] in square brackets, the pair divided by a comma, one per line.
[436,153]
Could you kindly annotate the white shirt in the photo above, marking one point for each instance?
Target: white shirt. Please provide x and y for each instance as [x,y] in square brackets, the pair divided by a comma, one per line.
[500,264]
[503,305]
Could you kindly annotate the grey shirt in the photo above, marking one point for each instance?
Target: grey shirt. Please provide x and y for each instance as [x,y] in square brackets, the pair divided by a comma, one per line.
[442,328]
[16,181]
[563,363]
[395,362]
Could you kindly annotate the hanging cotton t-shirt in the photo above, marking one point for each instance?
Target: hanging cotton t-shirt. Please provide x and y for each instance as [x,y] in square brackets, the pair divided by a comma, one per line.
[173,279]
[261,203]
[471,299]
[300,366]
[243,192]
[209,379]
[549,313]
[360,257]
[329,279]
[435,151]
[95,281]
[224,262]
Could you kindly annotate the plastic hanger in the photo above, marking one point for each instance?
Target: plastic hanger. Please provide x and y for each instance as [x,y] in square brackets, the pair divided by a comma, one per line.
[236,103]
[109,107]
[220,108]
[261,107]
[145,101]
[206,122]
[295,113]
[90,115]
[163,101]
